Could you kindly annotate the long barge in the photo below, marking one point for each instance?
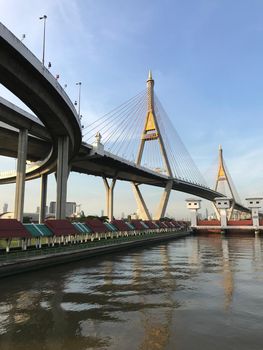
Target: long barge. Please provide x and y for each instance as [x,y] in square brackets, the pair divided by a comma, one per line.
[31,260]
[27,247]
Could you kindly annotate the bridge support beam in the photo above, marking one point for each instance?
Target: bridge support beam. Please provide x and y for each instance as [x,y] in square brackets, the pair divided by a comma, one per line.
[62,176]
[109,196]
[43,198]
[164,201]
[20,177]
[144,212]
[193,205]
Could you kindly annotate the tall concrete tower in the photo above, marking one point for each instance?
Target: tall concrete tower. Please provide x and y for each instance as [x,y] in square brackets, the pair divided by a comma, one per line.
[151,129]
[151,132]
[223,184]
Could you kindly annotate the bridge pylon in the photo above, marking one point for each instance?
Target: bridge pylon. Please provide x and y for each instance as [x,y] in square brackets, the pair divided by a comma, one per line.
[151,132]
[224,185]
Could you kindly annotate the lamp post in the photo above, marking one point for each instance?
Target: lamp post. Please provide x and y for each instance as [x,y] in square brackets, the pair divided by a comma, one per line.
[79,84]
[44,38]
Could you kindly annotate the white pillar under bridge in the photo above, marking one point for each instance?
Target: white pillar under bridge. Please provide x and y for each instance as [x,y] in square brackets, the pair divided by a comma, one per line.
[254,203]
[62,176]
[43,198]
[98,148]
[193,205]
[20,174]
[223,204]
[150,133]
[109,196]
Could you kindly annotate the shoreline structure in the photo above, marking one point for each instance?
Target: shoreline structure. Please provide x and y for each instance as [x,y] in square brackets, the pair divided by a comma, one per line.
[21,262]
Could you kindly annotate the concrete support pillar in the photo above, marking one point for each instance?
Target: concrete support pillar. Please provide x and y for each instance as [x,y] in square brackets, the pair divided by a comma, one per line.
[193,217]
[110,200]
[223,217]
[255,217]
[223,205]
[62,177]
[164,201]
[43,198]
[144,212]
[107,188]
[20,174]
[193,205]
[109,196]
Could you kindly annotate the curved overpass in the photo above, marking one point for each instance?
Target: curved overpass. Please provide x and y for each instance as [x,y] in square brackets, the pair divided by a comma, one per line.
[24,75]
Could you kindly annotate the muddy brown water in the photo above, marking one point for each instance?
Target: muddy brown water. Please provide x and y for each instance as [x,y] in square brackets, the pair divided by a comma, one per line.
[191,293]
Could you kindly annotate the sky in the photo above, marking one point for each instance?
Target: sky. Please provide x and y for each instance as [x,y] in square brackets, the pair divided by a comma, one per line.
[206,59]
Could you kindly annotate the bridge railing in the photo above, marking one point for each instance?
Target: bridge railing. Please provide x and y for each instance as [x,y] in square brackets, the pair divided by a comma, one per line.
[12,173]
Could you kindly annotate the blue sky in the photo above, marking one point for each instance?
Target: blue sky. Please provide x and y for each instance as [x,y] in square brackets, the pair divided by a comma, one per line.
[206,58]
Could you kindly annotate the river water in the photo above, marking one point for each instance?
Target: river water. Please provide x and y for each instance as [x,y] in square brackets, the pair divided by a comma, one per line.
[192,293]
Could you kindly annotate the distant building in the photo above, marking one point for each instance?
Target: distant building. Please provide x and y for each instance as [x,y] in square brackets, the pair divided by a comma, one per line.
[70,208]
[199,216]
[102,212]
[5,207]
[52,207]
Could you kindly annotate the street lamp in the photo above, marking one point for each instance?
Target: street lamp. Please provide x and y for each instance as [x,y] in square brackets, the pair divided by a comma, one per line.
[79,84]
[44,38]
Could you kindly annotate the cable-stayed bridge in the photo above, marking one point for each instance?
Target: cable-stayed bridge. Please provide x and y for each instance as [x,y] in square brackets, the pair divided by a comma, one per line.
[128,131]
[136,142]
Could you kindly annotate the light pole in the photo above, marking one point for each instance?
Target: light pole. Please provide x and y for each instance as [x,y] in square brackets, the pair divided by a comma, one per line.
[79,84]
[44,38]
